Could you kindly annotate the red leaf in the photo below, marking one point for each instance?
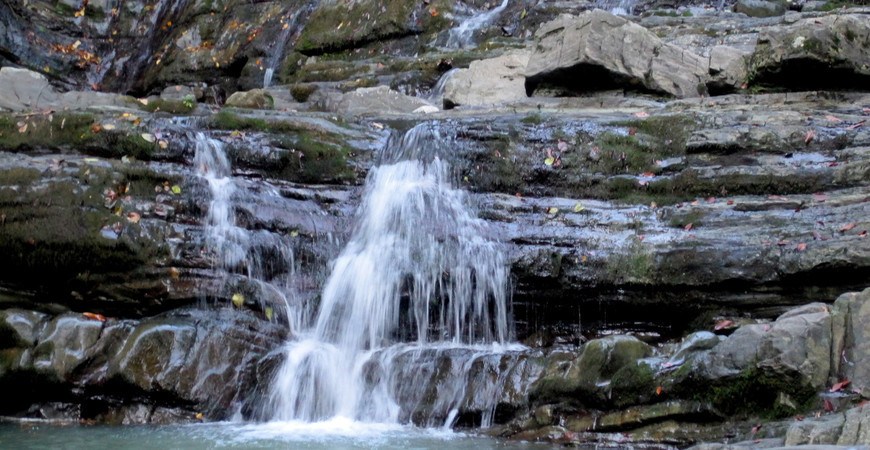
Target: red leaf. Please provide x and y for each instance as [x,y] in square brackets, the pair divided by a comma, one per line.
[828,406]
[817,236]
[840,385]
[863,234]
[688,227]
[782,243]
[755,429]
[801,247]
[848,226]
[730,202]
[810,135]
[723,324]
[648,174]
[632,131]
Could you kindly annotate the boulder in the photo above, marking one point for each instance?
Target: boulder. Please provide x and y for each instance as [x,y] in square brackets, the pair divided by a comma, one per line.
[851,346]
[597,50]
[376,100]
[823,431]
[856,428]
[488,81]
[797,344]
[727,68]
[814,53]
[253,99]
[760,8]
[26,90]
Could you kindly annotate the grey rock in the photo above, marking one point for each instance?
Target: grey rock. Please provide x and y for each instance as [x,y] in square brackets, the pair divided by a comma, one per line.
[489,81]
[570,48]
[823,431]
[851,346]
[63,344]
[814,53]
[692,344]
[253,99]
[26,90]
[19,328]
[375,100]
[760,8]
[727,66]
[856,429]
[797,343]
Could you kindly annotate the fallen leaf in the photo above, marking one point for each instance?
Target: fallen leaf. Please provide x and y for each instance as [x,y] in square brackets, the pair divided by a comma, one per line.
[863,234]
[801,247]
[730,202]
[688,227]
[238,299]
[778,197]
[659,390]
[199,416]
[840,385]
[562,146]
[549,161]
[809,137]
[148,137]
[552,210]
[711,199]
[648,174]
[756,428]
[134,217]
[176,189]
[22,127]
[578,207]
[828,406]
[852,127]
[163,144]
[94,316]
[294,233]
[848,226]
[832,118]
[782,243]
[641,114]
[174,273]
[108,127]
[818,197]
[723,324]
[643,182]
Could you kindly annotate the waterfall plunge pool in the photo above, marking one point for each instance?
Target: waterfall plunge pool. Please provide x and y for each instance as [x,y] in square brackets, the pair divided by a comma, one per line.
[336,433]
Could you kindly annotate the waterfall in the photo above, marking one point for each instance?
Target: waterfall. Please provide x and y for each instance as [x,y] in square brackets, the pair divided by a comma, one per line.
[418,289]
[461,36]
[289,25]
[238,252]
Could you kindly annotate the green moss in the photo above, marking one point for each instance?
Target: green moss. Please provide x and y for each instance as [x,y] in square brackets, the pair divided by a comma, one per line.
[754,392]
[636,266]
[45,131]
[313,158]
[18,176]
[226,120]
[170,106]
[681,219]
[333,28]
[532,119]
[301,92]
[632,384]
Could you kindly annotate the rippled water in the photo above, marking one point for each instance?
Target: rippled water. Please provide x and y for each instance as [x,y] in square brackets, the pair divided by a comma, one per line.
[337,433]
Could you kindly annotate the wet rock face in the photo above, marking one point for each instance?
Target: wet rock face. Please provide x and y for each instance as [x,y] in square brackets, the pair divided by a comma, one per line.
[130,371]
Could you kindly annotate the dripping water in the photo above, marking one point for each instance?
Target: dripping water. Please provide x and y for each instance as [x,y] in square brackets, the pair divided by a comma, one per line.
[418,294]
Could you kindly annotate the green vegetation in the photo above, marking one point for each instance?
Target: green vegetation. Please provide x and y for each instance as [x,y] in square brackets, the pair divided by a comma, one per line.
[532,119]
[754,392]
[838,4]
[45,131]
[301,92]
[634,267]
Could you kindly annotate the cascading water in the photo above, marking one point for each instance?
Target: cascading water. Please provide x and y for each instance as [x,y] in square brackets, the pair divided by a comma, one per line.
[238,251]
[418,295]
[461,36]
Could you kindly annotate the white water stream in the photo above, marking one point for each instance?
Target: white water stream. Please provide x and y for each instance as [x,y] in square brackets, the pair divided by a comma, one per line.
[416,297]
[462,35]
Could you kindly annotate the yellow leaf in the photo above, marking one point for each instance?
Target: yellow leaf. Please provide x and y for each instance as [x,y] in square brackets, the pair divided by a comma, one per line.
[22,127]
[148,137]
[143,101]
[552,210]
[134,217]
[163,144]
[549,161]
[523,14]
[294,233]
[108,127]
[174,273]
[269,312]
[76,44]
[176,189]
[578,207]
[199,416]
[238,299]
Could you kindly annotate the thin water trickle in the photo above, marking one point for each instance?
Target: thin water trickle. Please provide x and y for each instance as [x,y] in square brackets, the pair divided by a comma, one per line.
[417,294]
[462,35]
[238,252]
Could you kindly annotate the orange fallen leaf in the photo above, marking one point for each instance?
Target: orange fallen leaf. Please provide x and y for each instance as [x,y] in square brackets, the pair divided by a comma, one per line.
[810,135]
[688,227]
[94,316]
[801,247]
[852,127]
[848,226]
[659,390]
[723,324]
[778,197]
[840,385]
[833,118]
